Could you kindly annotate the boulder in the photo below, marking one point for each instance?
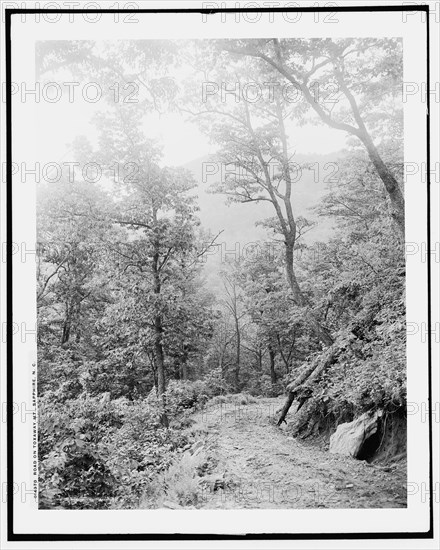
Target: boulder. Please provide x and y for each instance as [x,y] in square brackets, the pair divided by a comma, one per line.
[351,436]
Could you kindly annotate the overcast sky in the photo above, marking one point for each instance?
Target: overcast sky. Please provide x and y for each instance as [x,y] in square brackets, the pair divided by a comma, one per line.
[182,141]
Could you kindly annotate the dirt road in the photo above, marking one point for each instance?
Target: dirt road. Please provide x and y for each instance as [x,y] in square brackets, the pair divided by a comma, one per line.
[254,464]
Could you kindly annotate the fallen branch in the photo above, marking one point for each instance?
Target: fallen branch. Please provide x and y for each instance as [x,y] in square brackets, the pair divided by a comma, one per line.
[301,388]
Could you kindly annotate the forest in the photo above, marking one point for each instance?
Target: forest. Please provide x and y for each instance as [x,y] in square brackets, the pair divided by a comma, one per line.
[143,328]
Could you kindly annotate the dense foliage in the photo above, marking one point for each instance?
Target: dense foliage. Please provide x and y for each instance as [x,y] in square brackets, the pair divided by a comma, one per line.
[131,339]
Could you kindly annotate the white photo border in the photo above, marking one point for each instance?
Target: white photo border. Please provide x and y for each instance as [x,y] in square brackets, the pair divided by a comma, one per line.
[25,520]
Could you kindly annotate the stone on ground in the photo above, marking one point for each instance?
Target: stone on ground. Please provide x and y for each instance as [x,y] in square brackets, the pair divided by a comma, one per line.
[350,436]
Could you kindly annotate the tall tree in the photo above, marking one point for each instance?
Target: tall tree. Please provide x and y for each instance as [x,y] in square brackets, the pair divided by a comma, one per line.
[157,208]
[366,95]
[254,149]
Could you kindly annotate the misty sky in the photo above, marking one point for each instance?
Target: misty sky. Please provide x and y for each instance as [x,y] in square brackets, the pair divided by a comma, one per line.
[181,140]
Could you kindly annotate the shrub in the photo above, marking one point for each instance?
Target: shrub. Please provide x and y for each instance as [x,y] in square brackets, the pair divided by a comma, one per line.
[243,398]
[96,452]
[183,395]
[179,485]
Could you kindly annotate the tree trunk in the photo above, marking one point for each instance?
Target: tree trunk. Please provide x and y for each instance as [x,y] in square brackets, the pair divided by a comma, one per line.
[66,332]
[300,388]
[288,403]
[286,360]
[238,357]
[273,374]
[291,278]
[319,329]
[67,325]
[184,371]
[78,330]
[184,375]
[160,366]
[158,337]
[390,183]
[289,229]
[260,361]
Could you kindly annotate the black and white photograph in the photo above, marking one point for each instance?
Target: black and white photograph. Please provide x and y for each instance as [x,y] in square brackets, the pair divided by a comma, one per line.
[220,311]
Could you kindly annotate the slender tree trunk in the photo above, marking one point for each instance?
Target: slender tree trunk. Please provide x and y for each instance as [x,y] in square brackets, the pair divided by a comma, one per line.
[390,183]
[154,369]
[184,375]
[289,229]
[160,366]
[158,337]
[78,330]
[273,374]
[286,360]
[291,277]
[67,325]
[222,367]
[319,329]
[237,356]
[184,371]
[259,366]
[66,332]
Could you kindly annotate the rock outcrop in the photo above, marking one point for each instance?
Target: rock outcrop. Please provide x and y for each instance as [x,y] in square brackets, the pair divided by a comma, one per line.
[350,437]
